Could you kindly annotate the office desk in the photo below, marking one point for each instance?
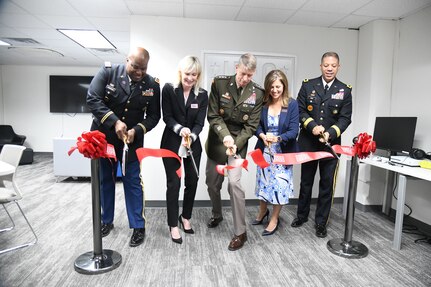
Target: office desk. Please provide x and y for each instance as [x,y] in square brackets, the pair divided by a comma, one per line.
[402,172]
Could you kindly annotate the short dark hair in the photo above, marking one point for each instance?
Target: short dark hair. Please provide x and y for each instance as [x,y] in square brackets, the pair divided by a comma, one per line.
[330,54]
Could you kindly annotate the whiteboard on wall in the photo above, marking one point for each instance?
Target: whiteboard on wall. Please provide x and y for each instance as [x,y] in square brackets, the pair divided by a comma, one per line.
[223,63]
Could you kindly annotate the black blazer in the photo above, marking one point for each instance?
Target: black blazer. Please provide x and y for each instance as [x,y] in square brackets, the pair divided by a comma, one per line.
[177,115]
[288,127]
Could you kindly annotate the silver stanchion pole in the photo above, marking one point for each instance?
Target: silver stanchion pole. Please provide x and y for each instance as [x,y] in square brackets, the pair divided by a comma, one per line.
[347,247]
[99,260]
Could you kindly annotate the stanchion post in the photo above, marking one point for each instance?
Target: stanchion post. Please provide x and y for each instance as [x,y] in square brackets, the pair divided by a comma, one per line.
[99,260]
[347,247]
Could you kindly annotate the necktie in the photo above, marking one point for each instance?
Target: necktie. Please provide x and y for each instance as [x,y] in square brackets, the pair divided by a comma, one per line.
[326,88]
[132,86]
[239,91]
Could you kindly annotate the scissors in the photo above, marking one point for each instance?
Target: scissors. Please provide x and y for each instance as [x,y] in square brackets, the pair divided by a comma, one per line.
[329,146]
[125,155]
[188,141]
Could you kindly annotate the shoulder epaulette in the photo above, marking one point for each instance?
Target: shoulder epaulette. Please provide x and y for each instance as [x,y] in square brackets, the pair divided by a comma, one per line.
[305,80]
[349,86]
[222,77]
[108,64]
[258,86]
[157,80]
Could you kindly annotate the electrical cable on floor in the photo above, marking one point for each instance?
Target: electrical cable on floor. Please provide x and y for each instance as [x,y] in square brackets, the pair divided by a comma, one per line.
[410,228]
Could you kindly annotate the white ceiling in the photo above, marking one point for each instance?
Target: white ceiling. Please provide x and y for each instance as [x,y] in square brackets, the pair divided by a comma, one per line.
[39,19]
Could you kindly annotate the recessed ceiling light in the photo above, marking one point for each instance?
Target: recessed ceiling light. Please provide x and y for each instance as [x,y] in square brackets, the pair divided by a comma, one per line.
[92,39]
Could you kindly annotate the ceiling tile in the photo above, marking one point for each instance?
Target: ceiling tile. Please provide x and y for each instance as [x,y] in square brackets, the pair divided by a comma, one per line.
[8,7]
[22,21]
[101,8]
[169,9]
[339,6]
[217,2]
[11,33]
[314,19]
[353,21]
[275,4]
[111,24]
[57,7]
[264,15]
[41,34]
[392,9]
[210,11]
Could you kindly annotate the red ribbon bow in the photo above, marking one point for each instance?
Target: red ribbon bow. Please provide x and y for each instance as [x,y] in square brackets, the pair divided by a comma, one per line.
[93,145]
[364,146]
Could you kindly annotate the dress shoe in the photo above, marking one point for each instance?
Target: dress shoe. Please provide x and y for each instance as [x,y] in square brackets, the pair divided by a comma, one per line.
[137,237]
[297,222]
[214,222]
[259,222]
[176,240]
[106,229]
[267,232]
[237,242]
[321,230]
[189,231]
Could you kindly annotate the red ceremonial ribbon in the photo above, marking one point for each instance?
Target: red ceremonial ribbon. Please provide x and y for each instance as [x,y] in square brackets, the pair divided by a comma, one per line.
[146,152]
[362,148]
[237,163]
[93,145]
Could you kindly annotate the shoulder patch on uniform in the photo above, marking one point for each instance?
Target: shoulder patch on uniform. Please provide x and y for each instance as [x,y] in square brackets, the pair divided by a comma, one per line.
[157,80]
[349,86]
[108,64]
[305,80]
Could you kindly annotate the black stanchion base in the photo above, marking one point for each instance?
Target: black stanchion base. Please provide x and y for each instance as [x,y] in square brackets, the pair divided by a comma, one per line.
[88,263]
[352,250]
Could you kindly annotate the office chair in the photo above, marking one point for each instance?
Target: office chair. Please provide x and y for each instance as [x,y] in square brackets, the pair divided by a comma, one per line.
[9,190]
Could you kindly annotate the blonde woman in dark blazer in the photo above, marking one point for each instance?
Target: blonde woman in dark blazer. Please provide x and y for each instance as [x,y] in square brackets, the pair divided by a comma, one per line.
[184,106]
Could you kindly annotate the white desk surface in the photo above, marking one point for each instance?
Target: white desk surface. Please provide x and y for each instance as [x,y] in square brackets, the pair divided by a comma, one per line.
[6,168]
[417,172]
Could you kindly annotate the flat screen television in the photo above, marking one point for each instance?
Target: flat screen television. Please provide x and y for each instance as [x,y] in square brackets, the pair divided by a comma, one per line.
[67,94]
[395,134]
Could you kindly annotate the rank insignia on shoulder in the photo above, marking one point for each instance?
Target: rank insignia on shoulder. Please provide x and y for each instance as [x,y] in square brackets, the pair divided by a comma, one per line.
[157,80]
[305,80]
[349,86]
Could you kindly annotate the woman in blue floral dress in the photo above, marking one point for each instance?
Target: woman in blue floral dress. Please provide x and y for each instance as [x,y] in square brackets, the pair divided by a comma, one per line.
[277,132]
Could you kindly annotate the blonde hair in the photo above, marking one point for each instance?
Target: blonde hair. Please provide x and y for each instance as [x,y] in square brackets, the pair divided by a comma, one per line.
[189,64]
[270,78]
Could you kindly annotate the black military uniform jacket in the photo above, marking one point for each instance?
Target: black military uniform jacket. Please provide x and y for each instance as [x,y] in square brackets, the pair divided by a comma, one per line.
[232,114]
[110,99]
[333,111]
[177,114]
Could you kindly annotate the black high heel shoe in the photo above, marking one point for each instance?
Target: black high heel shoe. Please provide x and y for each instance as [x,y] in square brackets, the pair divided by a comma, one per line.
[176,240]
[267,232]
[189,231]
[258,222]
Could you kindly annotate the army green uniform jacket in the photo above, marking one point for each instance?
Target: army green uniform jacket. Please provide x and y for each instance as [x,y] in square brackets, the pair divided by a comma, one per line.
[231,113]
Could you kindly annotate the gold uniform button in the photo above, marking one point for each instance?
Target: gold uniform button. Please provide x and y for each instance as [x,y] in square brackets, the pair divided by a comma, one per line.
[245,117]
[309,108]
[321,119]
[323,104]
[123,118]
[127,110]
[128,102]
[221,111]
[321,111]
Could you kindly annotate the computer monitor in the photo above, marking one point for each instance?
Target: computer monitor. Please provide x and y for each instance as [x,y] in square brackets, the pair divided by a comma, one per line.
[395,134]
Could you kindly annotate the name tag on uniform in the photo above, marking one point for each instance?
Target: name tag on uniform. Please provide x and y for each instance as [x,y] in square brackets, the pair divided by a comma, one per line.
[194,106]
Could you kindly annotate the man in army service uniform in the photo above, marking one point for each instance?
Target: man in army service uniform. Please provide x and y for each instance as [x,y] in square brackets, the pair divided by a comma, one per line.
[234,108]
[325,110]
[125,102]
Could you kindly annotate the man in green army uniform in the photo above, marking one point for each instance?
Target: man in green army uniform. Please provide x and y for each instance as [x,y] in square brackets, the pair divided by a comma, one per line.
[234,108]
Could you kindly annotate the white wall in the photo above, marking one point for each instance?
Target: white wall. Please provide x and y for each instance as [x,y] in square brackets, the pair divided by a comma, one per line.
[169,39]
[1,101]
[26,105]
[394,63]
